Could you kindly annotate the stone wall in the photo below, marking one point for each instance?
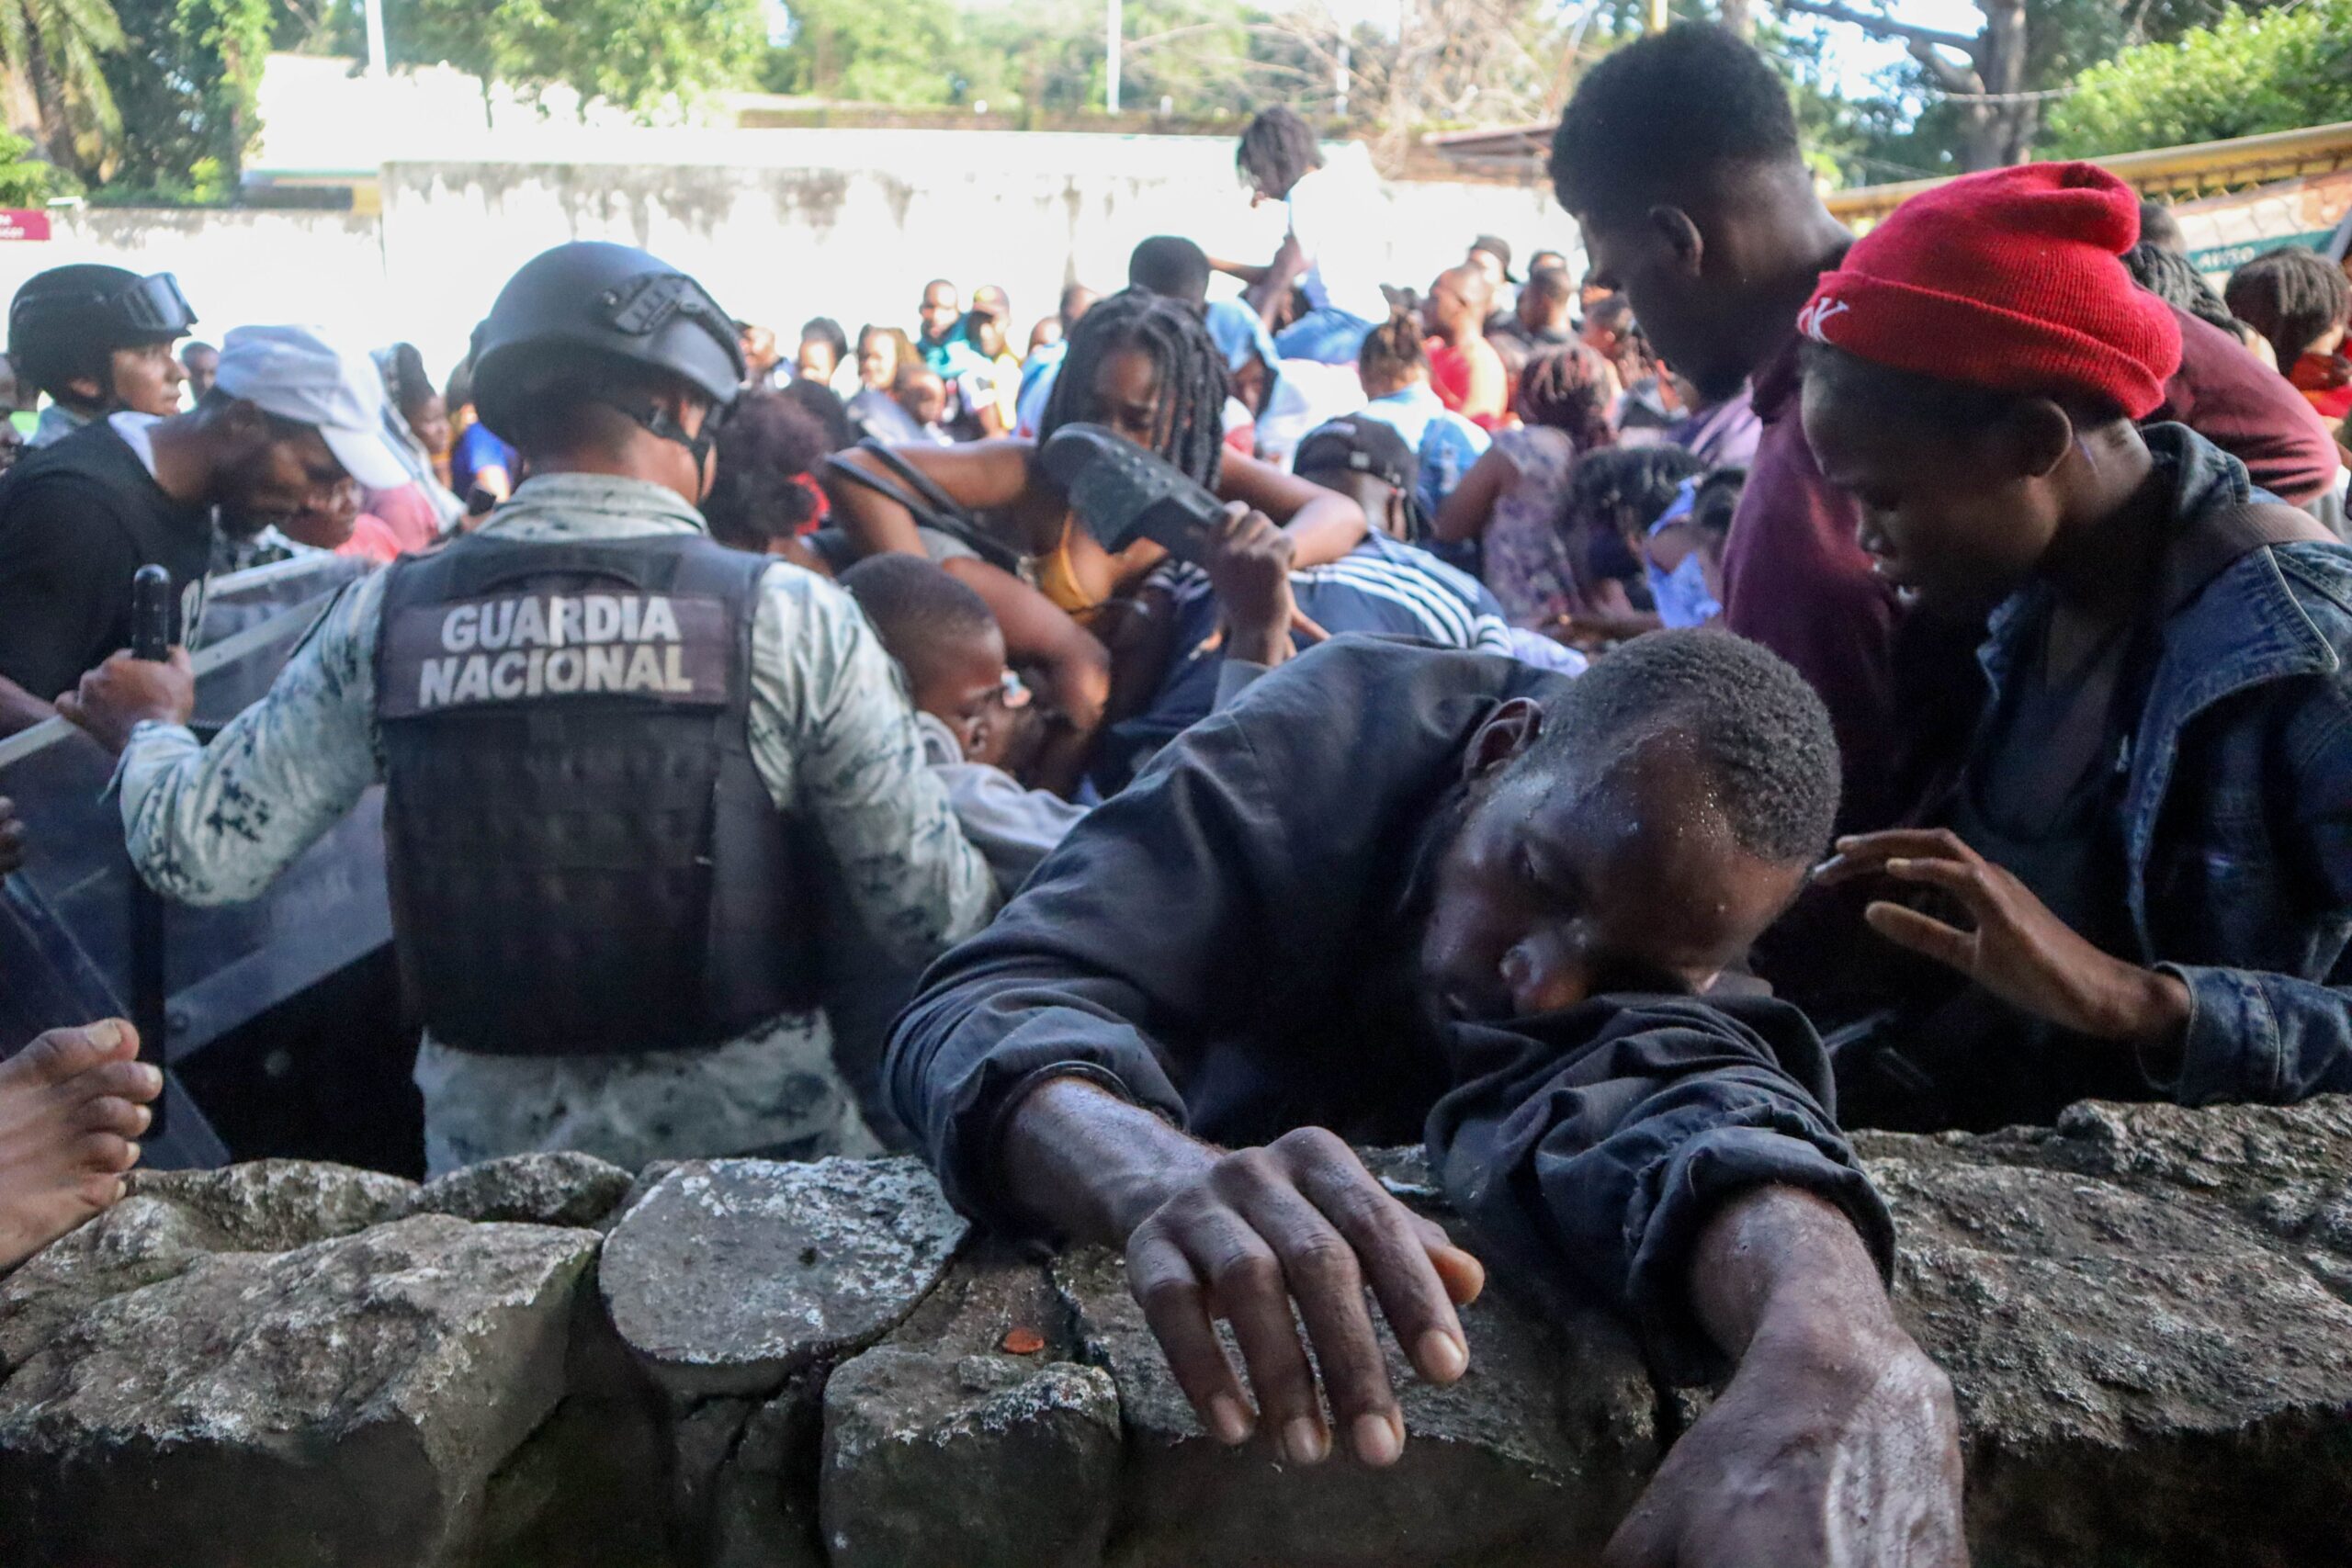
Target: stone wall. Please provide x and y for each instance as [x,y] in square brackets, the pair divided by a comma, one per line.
[2147,1315]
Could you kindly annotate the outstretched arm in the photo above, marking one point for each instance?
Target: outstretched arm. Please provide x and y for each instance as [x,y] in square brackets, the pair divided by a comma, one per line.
[1323,525]
[982,477]
[1465,512]
[1837,1441]
[216,824]
[2202,1033]
[1073,666]
[1675,1160]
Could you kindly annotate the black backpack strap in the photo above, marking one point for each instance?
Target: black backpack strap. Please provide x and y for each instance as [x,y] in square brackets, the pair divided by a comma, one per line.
[931,506]
[2218,542]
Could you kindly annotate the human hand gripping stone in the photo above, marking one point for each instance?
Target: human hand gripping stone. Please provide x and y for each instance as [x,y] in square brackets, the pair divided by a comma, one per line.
[1299,1221]
[1835,1444]
[1243,1237]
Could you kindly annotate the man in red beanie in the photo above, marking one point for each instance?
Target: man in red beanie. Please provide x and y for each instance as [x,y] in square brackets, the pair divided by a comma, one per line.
[2139,884]
[1678,155]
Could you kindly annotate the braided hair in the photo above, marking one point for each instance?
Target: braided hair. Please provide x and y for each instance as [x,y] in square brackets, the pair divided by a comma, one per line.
[1567,388]
[2292,296]
[2174,278]
[1188,370]
[1278,149]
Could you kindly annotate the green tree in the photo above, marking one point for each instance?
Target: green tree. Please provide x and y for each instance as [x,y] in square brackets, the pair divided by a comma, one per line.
[55,91]
[639,54]
[873,52]
[2241,77]
[186,81]
[25,180]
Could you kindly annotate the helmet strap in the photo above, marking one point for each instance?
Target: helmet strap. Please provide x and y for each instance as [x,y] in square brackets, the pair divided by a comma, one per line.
[655,421]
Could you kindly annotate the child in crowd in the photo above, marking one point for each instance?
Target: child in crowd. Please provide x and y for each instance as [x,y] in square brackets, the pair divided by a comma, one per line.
[2143,877]
[762,496]
[1394,365]
[1682,552]
[922,393]
[967,704]
[1613,497]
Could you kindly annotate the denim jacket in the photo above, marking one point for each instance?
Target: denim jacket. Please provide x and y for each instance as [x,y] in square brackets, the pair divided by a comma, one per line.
[2237,815]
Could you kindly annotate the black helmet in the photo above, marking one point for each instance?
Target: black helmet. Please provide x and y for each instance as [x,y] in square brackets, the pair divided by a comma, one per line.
[612,301]
[66,321]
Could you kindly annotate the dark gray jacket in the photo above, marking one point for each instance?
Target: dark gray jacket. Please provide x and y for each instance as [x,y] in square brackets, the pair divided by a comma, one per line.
[1232,941]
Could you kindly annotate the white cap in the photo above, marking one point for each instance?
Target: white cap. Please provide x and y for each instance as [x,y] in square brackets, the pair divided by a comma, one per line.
[296,374]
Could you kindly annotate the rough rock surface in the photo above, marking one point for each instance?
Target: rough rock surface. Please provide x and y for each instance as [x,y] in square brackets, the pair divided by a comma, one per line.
[728,1275]
[2146,1311]
[273,1205]
[344,1403]
[1546,1440]
[2150,1363]
[534,1189]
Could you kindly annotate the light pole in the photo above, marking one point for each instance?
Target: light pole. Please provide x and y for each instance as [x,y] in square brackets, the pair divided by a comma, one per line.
[1110,29]
[378,58]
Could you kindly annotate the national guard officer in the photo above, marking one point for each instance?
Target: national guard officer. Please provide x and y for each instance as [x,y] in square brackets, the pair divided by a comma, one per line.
[633,779]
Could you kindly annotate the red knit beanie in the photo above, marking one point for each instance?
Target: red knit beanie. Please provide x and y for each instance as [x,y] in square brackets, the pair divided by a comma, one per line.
[2008,280]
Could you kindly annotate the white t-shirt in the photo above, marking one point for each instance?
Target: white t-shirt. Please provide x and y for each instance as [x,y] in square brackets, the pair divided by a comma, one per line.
[132,427]
[1336,214]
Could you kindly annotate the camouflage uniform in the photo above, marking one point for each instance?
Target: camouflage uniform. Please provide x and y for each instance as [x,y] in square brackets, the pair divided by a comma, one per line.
[832,737]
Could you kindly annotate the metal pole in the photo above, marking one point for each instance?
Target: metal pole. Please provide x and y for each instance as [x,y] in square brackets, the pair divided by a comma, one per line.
[1111,30]
[1339,108]
[379,61]
[1658,19]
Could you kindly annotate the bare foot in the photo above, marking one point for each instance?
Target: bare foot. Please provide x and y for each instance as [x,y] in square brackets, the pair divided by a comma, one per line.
[71,1105]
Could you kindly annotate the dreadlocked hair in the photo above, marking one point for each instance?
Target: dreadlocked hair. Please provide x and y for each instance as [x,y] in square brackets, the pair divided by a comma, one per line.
[1566,389]
[1277,149]
[2174,278]
[1188,370]
[2292,296]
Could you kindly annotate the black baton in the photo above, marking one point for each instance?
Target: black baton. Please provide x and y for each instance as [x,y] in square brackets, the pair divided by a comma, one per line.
[150,638]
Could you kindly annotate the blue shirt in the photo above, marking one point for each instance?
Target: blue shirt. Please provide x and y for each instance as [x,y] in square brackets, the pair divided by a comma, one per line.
[1446,442]
[478,449]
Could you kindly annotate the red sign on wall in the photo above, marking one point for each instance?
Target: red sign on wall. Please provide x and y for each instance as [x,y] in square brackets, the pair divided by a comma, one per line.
[23,223]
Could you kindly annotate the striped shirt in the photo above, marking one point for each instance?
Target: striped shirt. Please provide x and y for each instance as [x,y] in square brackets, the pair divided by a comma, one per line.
[1380,588]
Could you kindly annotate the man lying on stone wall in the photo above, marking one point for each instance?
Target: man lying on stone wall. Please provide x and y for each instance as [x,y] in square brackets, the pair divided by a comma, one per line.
[1393,888]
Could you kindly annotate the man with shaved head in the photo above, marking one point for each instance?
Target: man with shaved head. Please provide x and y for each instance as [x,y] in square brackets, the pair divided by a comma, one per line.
[1465,369]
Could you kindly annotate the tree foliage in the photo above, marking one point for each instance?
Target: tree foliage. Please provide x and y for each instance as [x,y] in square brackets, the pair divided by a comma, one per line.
[640,54]
[2242,76]
[186,81]
[912,52]
[25,180]
[57,93]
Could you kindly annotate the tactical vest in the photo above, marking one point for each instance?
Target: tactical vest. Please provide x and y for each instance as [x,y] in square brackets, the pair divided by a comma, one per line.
[584,858]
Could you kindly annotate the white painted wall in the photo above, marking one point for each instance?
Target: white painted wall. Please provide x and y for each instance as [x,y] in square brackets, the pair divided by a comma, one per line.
[780,225]
[235,264]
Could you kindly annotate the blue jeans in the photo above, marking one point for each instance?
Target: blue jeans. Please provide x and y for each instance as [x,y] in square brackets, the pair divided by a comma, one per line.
[1325,337]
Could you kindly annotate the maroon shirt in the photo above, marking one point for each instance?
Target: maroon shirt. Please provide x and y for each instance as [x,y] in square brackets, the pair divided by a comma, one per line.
[2249,410]
[1796,580]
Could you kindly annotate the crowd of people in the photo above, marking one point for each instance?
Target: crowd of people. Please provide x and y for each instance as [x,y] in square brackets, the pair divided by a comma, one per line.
[1623,730]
